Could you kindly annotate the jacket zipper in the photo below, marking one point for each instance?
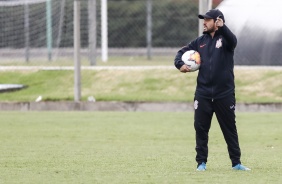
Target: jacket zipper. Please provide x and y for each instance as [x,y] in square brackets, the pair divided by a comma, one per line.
[211,73]
[211,78]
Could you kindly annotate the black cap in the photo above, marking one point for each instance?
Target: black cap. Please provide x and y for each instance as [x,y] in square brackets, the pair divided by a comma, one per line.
[212,14]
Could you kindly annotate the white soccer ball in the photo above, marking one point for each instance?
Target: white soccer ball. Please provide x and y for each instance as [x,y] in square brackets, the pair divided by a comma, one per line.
[192,59]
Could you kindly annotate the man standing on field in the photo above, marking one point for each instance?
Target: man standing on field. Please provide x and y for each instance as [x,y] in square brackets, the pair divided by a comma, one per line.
[215,91]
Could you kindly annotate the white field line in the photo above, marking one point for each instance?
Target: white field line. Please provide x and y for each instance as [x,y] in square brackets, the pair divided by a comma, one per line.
[23,68]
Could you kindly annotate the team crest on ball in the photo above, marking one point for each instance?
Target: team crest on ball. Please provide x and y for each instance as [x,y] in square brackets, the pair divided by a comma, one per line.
[218,43]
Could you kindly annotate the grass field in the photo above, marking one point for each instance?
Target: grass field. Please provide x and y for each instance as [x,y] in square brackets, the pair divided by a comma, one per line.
[252,85]
[132,147]
[112,61]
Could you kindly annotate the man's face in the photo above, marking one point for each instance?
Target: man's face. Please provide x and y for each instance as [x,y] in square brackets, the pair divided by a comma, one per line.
[209,26]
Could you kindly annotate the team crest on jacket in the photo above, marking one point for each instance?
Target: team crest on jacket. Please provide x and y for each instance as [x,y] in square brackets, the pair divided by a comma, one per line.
[218,43]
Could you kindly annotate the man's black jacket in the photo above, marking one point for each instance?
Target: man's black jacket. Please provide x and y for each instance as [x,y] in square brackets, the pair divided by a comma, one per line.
[215,78]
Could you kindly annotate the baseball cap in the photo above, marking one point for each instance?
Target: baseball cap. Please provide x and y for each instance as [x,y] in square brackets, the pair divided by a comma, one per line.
[212,14]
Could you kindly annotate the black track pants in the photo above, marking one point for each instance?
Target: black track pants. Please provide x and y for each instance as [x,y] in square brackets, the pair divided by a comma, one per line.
[224,110]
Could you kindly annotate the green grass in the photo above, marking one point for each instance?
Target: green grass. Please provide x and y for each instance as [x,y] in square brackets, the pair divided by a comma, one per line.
[112,61]
[132,147]
[252,86]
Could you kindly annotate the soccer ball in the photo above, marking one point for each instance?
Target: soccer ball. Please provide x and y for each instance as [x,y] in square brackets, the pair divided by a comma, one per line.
[192,59]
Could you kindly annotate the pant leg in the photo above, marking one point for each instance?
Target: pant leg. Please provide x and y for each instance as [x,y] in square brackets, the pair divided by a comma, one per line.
[225,113]
[202,122]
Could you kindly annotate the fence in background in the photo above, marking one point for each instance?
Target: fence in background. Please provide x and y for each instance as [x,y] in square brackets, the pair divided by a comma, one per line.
[29,33]
[24,37]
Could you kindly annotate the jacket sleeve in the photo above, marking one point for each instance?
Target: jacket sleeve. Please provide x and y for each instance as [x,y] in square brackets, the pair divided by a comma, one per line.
[178,61]
[229,36]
